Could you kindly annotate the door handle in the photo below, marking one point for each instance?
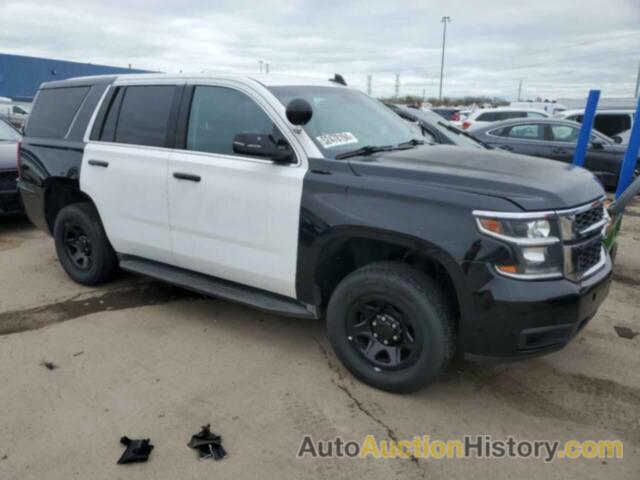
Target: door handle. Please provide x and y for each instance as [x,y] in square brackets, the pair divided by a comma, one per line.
[508,148]
[559,151]
[186,176]
[98,163]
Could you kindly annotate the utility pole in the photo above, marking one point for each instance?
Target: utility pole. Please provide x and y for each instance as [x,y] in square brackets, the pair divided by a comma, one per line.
[397,91]
[260,62]
[638,83]
[424,96]
[369,85]
[520,91]
[266,68]
[444,21]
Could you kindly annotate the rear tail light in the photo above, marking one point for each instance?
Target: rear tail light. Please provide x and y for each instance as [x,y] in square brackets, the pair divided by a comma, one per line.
[18,165]
[466,124]
[455,117]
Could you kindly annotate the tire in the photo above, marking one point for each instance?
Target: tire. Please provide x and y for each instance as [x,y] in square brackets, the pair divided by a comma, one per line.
[78,233]
[394,297]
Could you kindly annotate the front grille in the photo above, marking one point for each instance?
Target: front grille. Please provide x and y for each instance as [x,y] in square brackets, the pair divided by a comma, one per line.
[587,255]
[585,219]
[8,180]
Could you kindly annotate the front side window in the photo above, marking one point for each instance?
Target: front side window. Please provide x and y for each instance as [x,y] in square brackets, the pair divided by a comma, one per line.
[535,115]
[144,115]
[525,132]
[345,120]
[564,133]
[490,117]
[218,114]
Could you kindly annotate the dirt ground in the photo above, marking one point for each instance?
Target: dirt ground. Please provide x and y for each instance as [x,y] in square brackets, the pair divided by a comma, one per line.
[142,359]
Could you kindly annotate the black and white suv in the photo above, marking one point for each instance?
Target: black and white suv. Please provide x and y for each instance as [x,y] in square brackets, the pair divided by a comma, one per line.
[309,198]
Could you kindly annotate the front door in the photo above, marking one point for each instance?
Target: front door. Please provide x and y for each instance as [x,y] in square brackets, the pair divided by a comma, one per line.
[234,217]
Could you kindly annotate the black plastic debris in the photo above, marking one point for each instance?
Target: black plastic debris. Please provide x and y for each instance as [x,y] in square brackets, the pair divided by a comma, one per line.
[49,365]
[137,450]
[625,332]
[208,444]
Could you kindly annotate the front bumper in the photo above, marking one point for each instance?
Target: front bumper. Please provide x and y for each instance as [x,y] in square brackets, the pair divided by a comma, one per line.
[517,319]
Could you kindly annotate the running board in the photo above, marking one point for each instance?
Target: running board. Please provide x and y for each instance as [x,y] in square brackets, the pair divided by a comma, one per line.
[215,287]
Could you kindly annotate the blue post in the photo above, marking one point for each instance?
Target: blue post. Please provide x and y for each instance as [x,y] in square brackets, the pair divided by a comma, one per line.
[587,126]
[631,157]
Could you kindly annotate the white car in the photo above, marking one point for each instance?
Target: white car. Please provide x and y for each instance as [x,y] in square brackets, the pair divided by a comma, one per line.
[610,122]
[489,115]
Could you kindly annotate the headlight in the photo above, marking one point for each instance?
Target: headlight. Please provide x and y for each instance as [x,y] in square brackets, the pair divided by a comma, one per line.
[534,241]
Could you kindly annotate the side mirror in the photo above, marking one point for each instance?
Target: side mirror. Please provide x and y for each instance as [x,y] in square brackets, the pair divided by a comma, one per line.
[597,145]
[262,145]
[299,111]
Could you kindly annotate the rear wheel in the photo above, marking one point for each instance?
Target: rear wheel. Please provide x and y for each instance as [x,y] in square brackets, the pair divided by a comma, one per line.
[82,245]
[390,325]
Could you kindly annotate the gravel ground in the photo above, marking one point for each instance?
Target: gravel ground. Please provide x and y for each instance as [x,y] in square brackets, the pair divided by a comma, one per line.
[142,359]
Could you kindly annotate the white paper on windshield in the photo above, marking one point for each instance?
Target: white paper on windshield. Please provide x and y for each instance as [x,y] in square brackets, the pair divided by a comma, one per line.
[331,140]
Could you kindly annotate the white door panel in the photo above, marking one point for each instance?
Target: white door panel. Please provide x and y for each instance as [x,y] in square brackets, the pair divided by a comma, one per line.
[240,222]
[131,197]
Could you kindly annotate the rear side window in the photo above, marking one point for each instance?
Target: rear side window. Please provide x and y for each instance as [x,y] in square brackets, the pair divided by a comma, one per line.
[489,117]
[54,110]
[143,117]
[532,131]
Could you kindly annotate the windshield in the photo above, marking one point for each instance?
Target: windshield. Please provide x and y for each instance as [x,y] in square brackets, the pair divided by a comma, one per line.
[457,136]
[8,133]
[345,120]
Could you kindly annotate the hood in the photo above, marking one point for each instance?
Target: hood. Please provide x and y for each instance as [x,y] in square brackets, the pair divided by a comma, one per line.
[530,182]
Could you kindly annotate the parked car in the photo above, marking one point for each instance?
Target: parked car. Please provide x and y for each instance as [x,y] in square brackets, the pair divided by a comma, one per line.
[556,139]
[489,115]
[14,113]
[435,129]
[608,121]
[450,114]
[311,199]
[9,196]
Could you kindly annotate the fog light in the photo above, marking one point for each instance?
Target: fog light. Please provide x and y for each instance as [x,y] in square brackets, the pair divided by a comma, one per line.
[534,255]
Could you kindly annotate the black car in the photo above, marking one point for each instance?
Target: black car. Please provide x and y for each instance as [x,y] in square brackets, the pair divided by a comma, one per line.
[435,129]
[556,139]
[313,200]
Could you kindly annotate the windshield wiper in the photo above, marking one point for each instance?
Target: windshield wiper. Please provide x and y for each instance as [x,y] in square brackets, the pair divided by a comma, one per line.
[366,150]
[414,142]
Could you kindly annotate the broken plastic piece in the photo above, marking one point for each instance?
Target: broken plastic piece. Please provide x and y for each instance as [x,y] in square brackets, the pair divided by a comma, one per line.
[137,450]
[208,444]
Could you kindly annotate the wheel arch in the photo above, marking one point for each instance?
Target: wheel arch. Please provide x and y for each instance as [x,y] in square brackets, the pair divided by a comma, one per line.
[345,249]
[60,193]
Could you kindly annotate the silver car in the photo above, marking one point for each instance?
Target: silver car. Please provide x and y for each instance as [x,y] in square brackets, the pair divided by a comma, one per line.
[9,197]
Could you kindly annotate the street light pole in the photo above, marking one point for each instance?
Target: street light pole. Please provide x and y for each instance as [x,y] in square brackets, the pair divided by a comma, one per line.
[444,21]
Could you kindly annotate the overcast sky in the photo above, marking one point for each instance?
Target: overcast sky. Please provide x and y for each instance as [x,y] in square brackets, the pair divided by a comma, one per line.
[559,48]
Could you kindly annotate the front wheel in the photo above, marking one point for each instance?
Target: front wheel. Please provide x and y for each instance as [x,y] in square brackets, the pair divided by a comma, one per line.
[390,325]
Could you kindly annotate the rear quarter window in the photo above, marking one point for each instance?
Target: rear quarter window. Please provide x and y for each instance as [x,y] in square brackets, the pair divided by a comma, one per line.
[54,111]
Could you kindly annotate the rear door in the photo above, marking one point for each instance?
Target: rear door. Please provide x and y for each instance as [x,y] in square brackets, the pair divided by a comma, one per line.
[523,138]
[232,216]
[124,169]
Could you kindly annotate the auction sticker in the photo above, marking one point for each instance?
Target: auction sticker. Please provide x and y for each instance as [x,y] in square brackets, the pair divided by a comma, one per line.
[331,140]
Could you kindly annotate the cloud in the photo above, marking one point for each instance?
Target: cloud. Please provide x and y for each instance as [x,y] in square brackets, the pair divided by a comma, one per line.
[557,49]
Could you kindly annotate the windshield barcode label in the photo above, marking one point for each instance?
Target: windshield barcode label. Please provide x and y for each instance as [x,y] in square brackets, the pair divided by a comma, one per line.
[331,140]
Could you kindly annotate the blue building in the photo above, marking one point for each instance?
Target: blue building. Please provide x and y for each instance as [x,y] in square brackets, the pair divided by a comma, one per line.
[21,76]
